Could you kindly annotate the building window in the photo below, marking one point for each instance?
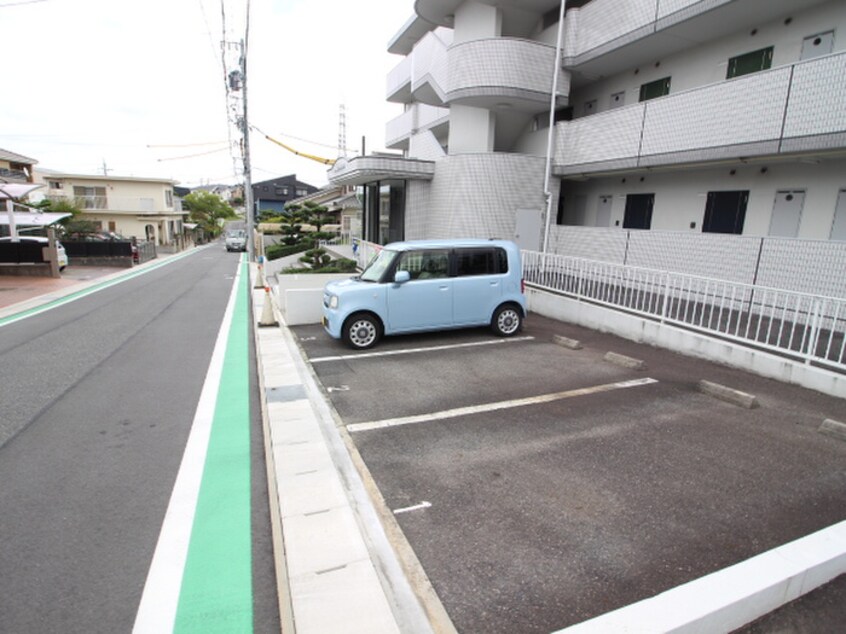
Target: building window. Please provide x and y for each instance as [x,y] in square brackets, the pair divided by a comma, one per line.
[384,211]
[55,184]
[302,192]
[655,89]
[725,212]
[169,197]
[90,197]
[750,63]
[638,214]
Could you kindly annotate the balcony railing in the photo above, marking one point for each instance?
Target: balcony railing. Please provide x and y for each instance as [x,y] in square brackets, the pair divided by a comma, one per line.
[513,69]
[417,118]
[120,204]
[793,108]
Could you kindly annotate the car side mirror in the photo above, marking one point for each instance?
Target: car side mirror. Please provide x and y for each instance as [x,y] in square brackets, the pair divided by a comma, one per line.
[402,277]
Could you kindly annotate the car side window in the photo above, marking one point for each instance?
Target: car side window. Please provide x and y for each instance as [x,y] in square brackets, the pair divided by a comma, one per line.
[423,265]
[481,262]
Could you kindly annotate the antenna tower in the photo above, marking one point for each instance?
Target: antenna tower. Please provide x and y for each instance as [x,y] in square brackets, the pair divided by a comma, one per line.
[342,131]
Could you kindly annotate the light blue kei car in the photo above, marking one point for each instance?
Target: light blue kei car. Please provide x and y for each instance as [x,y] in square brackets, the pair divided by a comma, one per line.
[428,285]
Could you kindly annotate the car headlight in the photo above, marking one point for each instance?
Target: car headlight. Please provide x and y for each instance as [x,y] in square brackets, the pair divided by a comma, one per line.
[333,302]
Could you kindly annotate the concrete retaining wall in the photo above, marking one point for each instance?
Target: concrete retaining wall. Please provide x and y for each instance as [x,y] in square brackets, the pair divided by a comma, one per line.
[685,342]
[300,296]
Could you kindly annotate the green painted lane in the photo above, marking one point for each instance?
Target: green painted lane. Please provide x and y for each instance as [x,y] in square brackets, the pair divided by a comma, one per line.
[216,593]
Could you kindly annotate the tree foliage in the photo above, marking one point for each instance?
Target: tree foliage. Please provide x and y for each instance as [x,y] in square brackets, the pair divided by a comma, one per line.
[209,211]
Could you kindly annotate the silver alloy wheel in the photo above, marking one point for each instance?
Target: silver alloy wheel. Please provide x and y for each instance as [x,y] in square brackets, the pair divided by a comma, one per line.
[362,333]
[507,321]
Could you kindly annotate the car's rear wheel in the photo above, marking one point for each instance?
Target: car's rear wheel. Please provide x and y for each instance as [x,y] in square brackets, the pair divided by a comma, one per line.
[507,320]
[362,331]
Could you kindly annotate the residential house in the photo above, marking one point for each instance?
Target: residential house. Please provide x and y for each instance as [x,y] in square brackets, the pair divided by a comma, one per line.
[689,135]
[274,194]
[342,204]
[16,168]
[143,208]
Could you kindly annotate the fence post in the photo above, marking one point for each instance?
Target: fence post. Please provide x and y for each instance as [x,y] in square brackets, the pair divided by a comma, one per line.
[814,337]
[665,308]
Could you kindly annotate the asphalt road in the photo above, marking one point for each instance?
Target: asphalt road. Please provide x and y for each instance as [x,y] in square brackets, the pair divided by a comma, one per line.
[540,487]
[97,398]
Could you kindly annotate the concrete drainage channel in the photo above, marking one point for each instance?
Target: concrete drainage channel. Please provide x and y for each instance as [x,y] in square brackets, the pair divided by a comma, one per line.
[738,595]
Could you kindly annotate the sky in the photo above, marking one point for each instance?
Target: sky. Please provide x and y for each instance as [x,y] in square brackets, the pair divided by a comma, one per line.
[136,87]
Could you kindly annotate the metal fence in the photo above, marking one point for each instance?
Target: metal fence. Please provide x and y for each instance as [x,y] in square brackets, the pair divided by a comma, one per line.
[808,327]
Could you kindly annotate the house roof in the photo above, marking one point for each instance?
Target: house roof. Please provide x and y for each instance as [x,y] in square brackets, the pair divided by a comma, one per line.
[100,177]
[6,155]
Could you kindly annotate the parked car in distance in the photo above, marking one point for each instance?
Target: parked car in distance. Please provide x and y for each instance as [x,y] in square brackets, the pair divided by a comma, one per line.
[62,255]
[236,240]
[428,285]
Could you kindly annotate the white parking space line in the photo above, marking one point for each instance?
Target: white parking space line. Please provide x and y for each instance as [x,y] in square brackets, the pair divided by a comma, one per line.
[416,507]
[389,353]
[490,407]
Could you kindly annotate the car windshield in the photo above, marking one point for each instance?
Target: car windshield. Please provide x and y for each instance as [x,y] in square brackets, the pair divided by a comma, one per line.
[378,265]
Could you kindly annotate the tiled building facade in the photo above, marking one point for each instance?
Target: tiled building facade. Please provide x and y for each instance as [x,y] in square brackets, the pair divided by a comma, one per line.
[685,117]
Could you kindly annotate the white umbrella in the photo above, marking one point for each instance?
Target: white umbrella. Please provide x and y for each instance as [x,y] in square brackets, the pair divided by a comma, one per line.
[11,191]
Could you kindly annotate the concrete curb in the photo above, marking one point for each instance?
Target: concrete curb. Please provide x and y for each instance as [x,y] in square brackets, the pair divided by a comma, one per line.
[833,428]
[566,342]
[624,361]
[736,397]
[734,596]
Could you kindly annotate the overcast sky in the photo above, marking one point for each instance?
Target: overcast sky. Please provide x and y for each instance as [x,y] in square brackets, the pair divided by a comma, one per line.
[139,84]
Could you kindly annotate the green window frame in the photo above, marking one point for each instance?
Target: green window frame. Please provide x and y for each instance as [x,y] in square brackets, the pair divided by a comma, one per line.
[655,89]
[748,63]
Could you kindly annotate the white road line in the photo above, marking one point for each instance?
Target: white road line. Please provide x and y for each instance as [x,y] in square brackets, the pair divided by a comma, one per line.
[490,407]
[157,610]
[389,353]
[416,507]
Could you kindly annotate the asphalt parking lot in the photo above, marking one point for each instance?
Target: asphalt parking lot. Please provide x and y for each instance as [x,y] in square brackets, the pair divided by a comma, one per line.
[541,486]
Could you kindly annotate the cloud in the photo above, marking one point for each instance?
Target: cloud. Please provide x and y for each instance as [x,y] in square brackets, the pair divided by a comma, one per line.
[98,80]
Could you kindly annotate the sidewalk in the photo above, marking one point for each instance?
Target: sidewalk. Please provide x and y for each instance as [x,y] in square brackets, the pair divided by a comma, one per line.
[31,291]
[337,568]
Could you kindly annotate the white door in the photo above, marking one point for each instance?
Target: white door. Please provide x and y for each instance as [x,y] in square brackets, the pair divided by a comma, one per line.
[527,231]
[787,212]
[603,211]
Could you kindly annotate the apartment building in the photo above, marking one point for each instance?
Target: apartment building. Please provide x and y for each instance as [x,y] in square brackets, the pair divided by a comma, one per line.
[143,208]
[685,125]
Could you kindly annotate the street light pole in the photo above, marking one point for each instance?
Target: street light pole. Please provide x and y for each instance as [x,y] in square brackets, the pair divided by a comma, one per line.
[551,133]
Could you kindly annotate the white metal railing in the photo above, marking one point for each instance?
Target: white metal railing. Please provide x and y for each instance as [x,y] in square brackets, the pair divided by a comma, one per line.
[799,325]
[364,251]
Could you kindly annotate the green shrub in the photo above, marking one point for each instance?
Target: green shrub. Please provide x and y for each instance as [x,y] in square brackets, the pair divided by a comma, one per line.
[276,251]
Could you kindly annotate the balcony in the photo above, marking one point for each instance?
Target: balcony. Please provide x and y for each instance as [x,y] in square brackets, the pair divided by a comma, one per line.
[490,72]
[399,82]
[605,37]
[130,205]
[417,118]
[796,108]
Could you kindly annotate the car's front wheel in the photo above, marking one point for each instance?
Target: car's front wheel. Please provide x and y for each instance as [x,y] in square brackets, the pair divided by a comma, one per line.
[507,320]
[362,331]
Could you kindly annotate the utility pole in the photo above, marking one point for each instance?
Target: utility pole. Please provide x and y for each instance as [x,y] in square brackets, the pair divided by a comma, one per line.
[248,181]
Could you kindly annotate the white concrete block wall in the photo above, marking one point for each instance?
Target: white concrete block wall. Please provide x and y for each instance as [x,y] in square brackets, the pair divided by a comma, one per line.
[746,110]
[502,63]
[476,195]
[817,98]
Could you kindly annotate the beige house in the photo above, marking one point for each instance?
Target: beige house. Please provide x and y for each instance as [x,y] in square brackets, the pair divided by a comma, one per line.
[143,208]
[15,168]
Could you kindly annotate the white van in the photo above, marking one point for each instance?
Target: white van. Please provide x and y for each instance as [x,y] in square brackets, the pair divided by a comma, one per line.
[428,285]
